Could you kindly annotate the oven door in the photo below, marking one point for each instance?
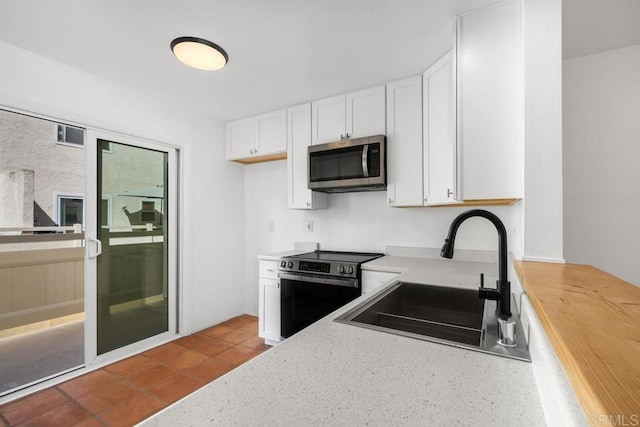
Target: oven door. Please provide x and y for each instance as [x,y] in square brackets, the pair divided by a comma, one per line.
[304,299]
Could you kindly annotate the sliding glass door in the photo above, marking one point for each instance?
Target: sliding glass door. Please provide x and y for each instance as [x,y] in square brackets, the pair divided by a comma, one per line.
[131,245]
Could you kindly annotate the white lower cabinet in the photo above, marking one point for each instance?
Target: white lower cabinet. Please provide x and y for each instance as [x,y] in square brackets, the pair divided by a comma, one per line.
[269,302]
[373,279]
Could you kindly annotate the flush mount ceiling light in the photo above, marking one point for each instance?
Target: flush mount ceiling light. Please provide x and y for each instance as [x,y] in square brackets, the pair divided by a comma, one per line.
[199,53]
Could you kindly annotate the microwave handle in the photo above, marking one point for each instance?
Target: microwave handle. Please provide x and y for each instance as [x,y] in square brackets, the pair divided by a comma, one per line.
[365,161]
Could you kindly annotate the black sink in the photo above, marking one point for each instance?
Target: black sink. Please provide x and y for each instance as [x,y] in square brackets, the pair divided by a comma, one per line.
[442,314]
[439,312]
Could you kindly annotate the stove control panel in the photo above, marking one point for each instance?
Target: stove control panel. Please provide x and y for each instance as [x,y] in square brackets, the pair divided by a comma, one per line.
[318,267]
[314,267]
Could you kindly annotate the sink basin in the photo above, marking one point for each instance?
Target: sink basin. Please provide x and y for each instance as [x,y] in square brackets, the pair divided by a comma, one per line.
[442,314]
[435,311]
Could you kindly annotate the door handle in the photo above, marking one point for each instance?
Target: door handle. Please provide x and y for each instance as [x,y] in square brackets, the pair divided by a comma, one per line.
[365,161]
[98,244]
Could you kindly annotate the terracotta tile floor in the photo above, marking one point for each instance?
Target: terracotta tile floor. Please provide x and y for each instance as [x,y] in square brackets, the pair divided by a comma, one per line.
[133,389]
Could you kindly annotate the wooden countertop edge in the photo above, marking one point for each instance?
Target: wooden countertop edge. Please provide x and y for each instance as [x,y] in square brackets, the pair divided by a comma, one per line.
[598,393]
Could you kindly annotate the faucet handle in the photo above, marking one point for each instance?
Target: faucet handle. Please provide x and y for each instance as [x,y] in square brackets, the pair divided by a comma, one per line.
[488,293]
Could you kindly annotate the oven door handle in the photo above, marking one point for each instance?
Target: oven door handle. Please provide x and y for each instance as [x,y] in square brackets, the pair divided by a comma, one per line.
[349,283]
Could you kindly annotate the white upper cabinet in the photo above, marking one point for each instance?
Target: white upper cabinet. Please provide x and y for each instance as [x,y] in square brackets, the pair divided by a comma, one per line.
[404,142]
[271,132]
[490,102]
[240,138]
[256,138]
[366,112]
[329,119]
[298,139]
[439,133]
[353,115]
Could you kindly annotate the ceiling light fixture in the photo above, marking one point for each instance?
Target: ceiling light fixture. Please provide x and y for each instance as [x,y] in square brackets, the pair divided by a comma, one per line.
[199,53]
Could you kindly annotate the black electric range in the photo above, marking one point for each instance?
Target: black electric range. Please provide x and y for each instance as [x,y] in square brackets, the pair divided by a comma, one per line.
[314,284]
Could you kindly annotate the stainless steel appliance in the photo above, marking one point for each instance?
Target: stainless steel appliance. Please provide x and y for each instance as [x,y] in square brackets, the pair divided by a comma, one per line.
[315,284]
[349,165]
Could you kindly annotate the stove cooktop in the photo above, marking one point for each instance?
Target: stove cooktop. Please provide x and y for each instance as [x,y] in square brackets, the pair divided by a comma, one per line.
[336,256]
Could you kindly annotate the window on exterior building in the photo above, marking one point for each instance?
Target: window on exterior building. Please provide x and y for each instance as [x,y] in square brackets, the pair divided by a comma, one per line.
[70,211]
[148,213]
[69,135]
[105,218]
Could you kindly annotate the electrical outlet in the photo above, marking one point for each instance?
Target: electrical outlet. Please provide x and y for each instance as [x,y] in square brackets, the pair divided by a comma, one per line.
[272,226]
[309,226]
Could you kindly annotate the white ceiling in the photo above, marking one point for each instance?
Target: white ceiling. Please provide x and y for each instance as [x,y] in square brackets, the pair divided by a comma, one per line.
[282,52]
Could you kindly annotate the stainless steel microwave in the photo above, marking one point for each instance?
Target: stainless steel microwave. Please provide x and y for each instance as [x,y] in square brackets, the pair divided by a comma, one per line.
[357,164]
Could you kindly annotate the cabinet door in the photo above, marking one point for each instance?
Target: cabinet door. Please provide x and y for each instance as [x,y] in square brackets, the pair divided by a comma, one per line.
[439,136]
[240,138]
[404,142]
[271,133]
[366,112]
[489,61]
[328,119]
[269,309]
[298,139]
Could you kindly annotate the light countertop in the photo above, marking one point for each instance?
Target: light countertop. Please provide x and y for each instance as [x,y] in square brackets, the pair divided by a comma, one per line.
[337,374]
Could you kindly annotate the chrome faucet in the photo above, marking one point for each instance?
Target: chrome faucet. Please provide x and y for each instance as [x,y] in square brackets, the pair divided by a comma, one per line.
[502,293]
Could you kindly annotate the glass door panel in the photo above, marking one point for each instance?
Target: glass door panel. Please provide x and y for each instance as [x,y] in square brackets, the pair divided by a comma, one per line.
[132,295]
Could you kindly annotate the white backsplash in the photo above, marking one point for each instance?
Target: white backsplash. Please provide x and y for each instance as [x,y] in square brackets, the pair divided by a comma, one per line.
[434,253]
[306,246]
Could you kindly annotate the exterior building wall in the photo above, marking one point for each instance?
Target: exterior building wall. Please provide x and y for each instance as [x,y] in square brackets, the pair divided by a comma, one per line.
[16,198]
[28,143]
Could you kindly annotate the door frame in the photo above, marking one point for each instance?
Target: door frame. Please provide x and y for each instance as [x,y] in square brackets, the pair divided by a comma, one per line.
[54,113]
[91,227]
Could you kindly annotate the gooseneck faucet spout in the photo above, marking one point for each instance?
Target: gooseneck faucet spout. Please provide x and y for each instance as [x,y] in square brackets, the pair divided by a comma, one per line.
[502,294]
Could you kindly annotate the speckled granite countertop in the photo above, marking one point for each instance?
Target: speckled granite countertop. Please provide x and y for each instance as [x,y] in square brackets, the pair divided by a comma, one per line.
[333,374]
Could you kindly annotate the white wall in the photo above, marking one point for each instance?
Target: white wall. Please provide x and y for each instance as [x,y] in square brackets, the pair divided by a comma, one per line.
[541,216]
[212,187]
[601,151]
[353,222]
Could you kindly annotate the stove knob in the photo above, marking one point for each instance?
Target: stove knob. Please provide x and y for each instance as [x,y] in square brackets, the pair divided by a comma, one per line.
[290,264]
[341,269]
[350,270]
[283,264]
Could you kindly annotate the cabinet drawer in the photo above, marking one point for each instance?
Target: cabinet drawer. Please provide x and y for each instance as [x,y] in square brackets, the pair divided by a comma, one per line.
[268,269]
